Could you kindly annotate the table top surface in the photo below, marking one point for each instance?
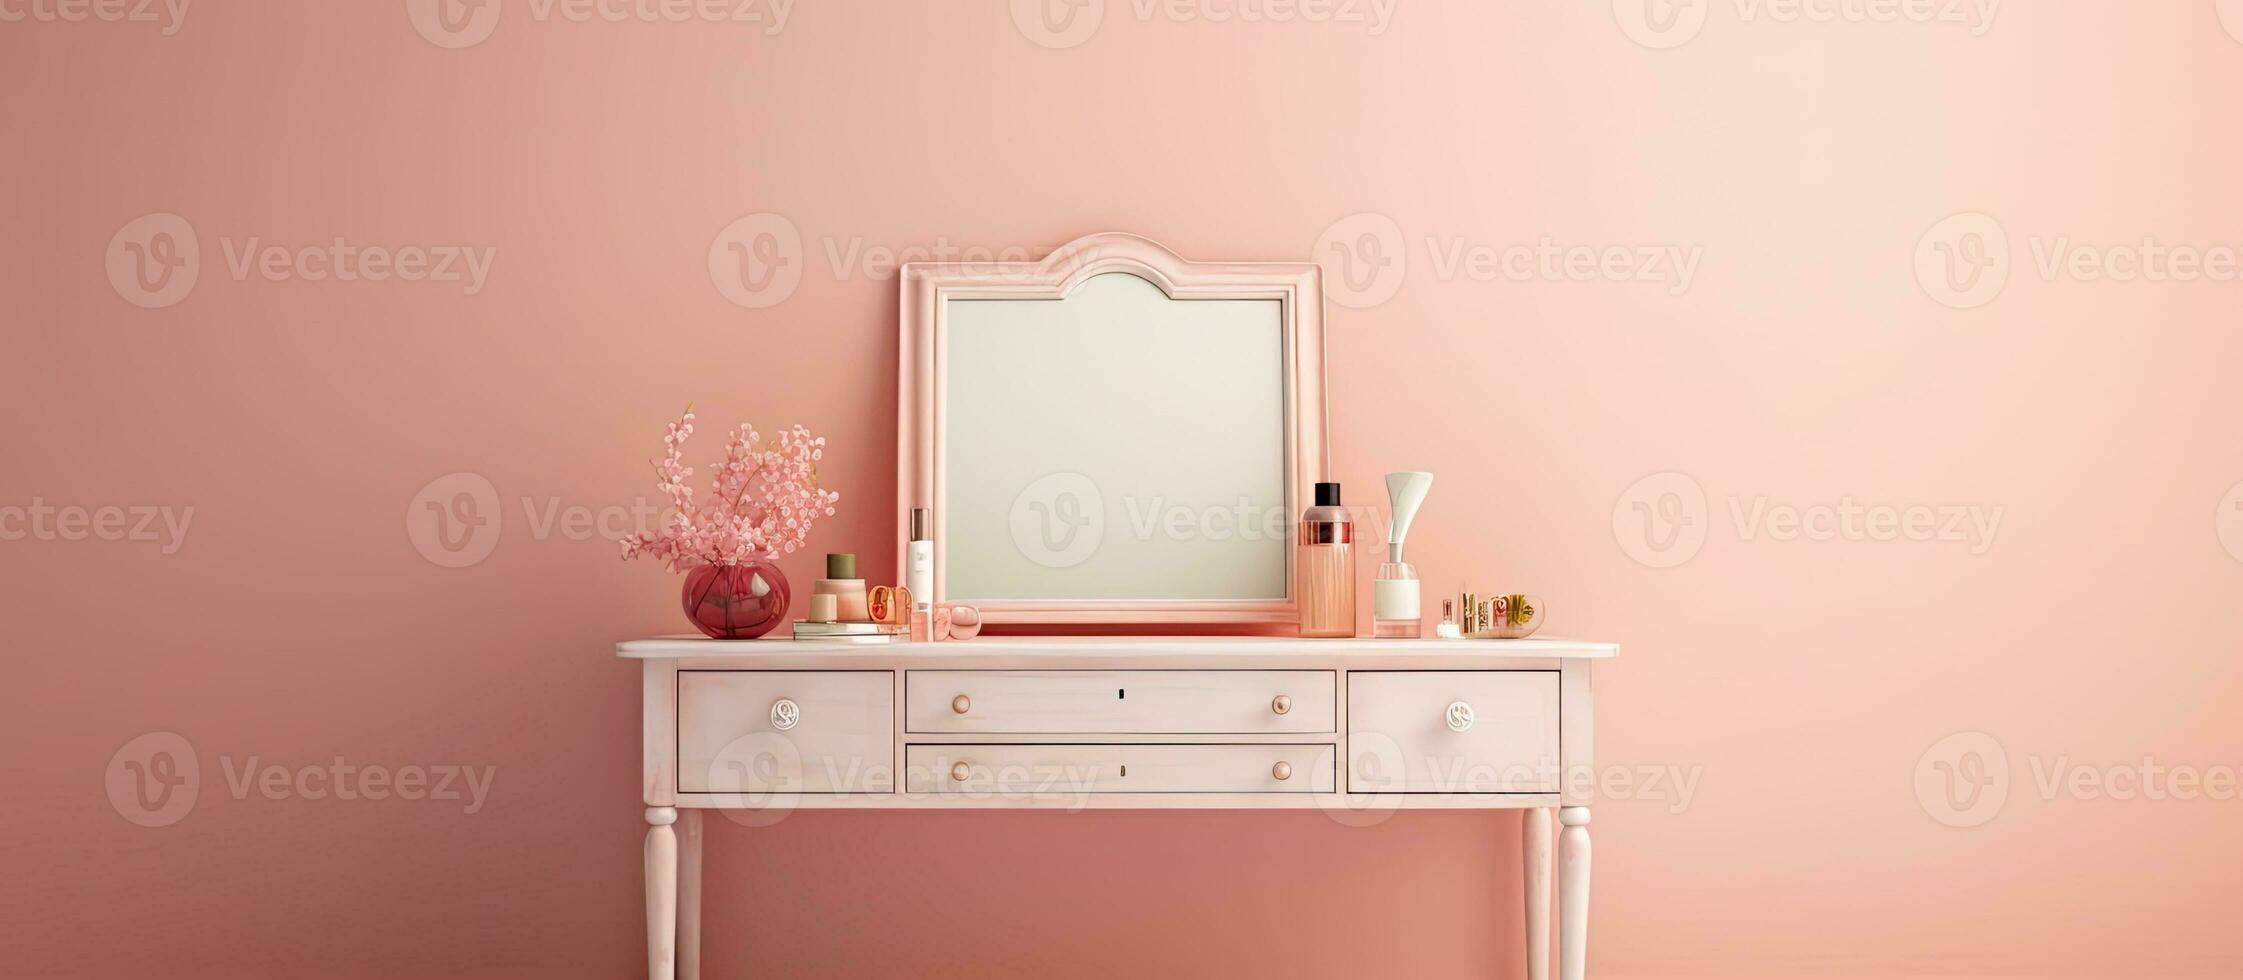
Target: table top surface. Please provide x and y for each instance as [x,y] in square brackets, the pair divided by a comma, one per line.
[698,647]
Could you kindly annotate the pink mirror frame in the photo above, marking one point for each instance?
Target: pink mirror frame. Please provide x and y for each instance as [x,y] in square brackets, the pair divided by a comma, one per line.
[927,287]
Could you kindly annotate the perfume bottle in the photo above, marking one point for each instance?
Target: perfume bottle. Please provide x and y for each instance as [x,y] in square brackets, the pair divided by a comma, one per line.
[919,576]
[1326,566]
[848,591]
[1394,593]
[1394,600]
[1449,629]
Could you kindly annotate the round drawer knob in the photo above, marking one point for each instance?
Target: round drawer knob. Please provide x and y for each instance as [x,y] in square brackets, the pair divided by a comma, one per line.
[1282,770]
[1459,716]
[960,772]
[961,704]
[1281,704]
[785,714]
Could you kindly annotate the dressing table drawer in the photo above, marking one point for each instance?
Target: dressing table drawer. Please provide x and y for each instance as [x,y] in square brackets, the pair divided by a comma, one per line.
[1453,731]
[1072,770]
[1121,702]
[781,731]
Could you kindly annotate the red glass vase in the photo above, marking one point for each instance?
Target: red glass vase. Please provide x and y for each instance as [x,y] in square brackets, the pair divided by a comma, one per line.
[736,601]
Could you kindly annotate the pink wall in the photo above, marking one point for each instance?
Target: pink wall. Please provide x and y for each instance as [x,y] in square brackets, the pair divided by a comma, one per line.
[1806,685]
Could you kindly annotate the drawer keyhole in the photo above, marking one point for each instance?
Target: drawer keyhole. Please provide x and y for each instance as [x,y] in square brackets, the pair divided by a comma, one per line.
[1125,770]
[1120,695]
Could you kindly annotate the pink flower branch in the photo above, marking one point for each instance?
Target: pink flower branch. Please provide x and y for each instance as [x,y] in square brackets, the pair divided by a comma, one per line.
[763,499]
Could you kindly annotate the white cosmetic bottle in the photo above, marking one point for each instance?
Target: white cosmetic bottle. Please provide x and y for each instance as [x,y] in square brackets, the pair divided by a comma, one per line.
[919,574]
[1394,593]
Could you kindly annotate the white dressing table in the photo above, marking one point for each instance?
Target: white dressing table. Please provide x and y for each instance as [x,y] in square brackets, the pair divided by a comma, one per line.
[1359,728]
[1053,493]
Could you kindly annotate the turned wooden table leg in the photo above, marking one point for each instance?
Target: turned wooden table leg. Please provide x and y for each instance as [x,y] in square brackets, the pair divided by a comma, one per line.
[1534,857]
[661,894]
[1573,894]
[689,894]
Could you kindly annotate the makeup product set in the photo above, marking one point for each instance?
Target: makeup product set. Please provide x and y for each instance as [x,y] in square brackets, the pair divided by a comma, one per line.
[1326,562]
[841,607]
[1472,616]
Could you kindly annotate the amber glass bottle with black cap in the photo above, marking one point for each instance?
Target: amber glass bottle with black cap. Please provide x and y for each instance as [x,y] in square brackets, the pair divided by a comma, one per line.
[1325,563]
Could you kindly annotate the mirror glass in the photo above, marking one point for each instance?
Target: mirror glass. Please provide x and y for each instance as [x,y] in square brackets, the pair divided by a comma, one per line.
[1114,444]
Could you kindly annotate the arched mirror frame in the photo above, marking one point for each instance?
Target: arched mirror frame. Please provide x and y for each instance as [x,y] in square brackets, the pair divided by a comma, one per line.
[928,289]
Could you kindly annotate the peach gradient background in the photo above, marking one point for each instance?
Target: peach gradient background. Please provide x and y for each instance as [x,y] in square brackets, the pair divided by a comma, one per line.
[299,622]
